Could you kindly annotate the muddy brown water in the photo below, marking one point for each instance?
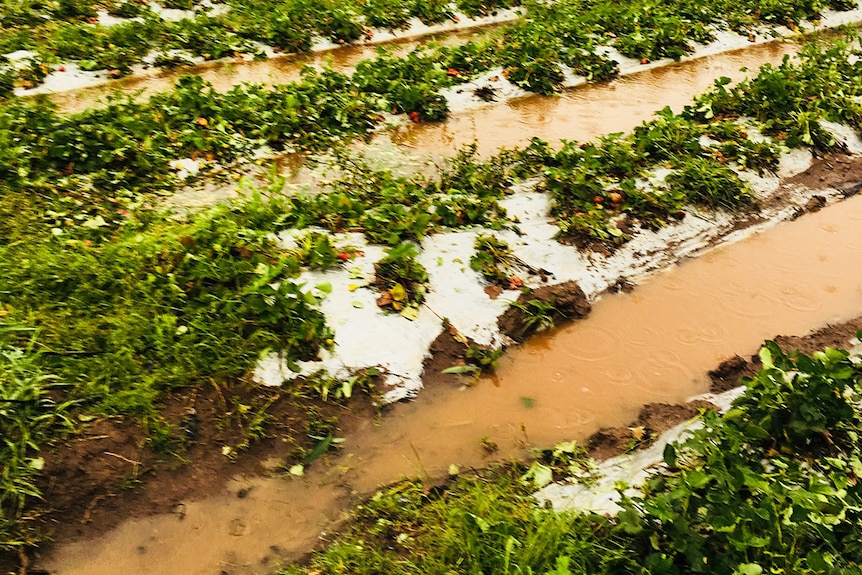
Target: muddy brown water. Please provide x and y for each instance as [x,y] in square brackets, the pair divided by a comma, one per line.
[653,344]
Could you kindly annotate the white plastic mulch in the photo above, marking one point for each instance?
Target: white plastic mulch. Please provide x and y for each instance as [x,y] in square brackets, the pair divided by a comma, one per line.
[367,337]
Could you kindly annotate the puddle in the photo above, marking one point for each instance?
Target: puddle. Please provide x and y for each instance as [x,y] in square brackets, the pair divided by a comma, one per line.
[654,344]
[212,537]
[583,113]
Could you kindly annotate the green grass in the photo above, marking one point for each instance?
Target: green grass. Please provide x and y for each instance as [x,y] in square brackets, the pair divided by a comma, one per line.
[29,417]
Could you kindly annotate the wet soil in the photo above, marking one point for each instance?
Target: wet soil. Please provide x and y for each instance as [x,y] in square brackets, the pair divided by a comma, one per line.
[837,171]
[110,472]
[653,419]
[729,373]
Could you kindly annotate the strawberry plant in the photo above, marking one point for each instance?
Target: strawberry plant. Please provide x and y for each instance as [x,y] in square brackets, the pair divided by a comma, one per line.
[566,31]
[475,8]
[493,259]
[386,14]
[400,278]
[431,11]
[792,98]
[315,250]
[709,183]
[768,486]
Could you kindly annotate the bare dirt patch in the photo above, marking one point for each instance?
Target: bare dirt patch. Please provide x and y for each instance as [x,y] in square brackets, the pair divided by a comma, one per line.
[654,418]
[838,171]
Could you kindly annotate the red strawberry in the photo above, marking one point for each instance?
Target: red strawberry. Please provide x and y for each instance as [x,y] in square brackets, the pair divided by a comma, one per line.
[343,256]
[414,116]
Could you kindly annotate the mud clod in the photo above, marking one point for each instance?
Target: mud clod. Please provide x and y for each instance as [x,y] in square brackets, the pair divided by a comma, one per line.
[726,376]
[815,204]
[486,94]
[622,285]
[566,300]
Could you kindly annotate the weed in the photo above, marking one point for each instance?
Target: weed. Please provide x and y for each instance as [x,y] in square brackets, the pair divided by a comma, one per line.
[538,315]
[343,389]
[484,359]
[29,417]
[488,446]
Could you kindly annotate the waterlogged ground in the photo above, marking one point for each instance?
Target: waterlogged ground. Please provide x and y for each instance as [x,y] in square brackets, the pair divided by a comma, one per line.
[781,269]
[634,348]
[654,344]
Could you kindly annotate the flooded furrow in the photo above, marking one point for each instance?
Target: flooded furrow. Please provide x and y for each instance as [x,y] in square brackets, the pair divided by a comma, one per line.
[583,113]
[224,75]
[654,344]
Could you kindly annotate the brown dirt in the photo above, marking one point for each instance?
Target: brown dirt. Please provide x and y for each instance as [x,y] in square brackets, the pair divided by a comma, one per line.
[449,348]
[444,352]
[568,301]
[834,335]
[653,419]
[728,373]
[838,171]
